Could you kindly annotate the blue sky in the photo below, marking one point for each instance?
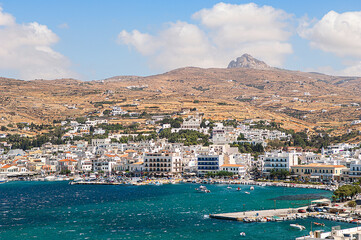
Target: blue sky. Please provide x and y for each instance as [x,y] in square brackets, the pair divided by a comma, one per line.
[86,35]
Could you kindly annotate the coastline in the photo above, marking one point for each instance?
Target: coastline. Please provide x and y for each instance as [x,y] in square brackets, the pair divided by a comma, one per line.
[203,181]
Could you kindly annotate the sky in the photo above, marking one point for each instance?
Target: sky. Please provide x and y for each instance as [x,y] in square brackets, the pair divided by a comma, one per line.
[95,39]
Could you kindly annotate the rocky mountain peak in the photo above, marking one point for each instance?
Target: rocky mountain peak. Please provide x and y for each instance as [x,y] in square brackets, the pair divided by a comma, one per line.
[247,61]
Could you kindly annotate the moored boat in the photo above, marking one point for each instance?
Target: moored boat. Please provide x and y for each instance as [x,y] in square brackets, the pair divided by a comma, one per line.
[202,189]
[319,224]
[298,226]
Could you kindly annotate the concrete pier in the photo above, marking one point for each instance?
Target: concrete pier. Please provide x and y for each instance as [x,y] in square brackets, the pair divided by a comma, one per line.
[239,216]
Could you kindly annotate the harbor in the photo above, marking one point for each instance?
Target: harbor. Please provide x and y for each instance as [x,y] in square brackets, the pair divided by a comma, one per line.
[108,211]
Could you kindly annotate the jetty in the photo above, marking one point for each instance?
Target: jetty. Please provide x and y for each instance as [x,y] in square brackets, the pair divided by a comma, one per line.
[282,214]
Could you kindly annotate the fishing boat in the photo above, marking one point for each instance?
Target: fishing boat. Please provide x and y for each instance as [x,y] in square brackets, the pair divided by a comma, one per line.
[202,189]
[298,226]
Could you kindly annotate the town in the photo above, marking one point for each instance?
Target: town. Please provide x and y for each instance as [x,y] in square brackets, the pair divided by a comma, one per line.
[178,148]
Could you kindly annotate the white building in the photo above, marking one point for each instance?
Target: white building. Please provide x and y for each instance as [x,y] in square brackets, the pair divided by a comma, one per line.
[100,142]
[279,161]
[163,163]
[117,110]
[355,171]
[85,165]
[192,123]
[102,165]
[209,163]
[236,169]
[99,131]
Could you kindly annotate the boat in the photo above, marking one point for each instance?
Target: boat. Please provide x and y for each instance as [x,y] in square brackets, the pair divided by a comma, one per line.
[3,179]
[202,189]
[298,226]
[92,177]
[229,187]
[78,179]
[238,189]
[49,178]
[247,192]
[319,224]
[251,188]
[242,234]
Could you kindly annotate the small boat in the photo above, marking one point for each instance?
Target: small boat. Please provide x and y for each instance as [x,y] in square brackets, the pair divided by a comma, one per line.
[50,178]
[78,179]
[319,224]
[202,189]
[251,188]
[247,192]
[229,187]
[3,180]
[242,234]
[238,189]
[298,226]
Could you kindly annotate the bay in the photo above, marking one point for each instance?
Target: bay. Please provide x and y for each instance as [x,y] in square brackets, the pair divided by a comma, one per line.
[57,210]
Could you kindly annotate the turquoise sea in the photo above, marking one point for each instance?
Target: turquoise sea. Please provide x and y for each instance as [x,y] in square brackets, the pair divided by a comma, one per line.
[57,210]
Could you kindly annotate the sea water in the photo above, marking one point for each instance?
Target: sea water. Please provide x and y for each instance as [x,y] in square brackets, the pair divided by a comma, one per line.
[57,210]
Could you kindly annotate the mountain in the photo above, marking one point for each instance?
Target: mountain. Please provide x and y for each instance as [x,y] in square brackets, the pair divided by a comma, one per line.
[296,99]
[247,61]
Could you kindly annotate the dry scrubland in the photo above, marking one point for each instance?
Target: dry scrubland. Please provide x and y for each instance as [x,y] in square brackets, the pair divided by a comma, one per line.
[298,100]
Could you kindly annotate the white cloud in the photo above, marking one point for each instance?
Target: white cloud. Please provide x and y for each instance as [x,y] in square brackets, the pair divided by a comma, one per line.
[223,33]
[26,50]
[338,33]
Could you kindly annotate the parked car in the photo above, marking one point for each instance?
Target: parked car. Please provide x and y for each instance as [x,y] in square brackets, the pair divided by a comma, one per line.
[310,209]
[318,209]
